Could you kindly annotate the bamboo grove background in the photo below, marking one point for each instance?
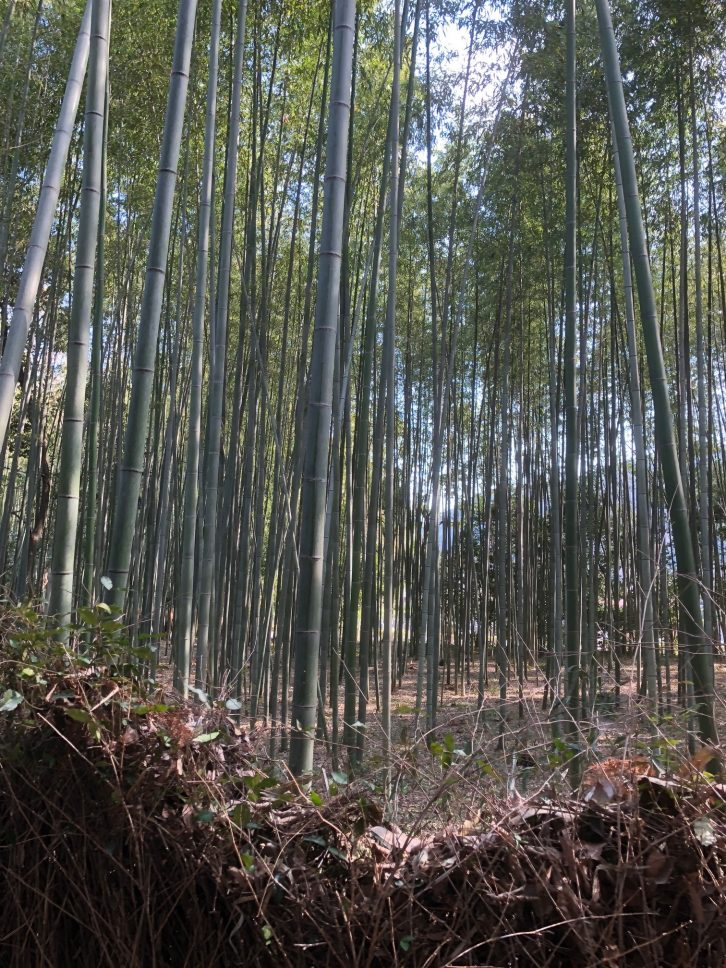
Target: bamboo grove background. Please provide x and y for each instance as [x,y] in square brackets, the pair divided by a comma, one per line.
[330,358]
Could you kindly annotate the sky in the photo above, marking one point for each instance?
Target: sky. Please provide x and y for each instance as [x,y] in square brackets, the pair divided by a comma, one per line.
[489,65]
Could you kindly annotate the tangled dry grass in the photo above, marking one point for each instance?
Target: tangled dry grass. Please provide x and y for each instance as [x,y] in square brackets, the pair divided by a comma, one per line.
[144,835]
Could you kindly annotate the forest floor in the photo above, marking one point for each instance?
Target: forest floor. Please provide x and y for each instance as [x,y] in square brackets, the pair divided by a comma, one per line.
[475,753]
[140,830]
[438,778]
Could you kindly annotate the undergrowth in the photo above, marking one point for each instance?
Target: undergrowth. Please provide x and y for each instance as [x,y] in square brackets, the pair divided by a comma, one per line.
[139,830]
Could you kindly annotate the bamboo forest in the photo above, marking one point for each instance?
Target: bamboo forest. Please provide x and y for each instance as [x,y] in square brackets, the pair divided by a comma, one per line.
[363,482]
